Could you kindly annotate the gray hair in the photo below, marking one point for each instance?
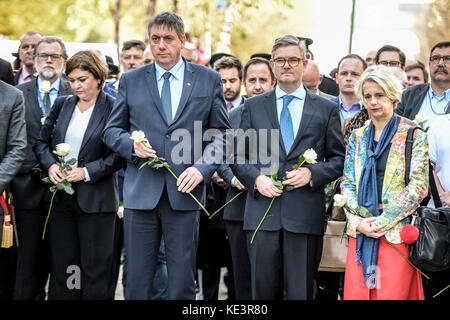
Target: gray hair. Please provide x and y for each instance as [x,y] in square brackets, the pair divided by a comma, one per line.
[190,46]
[51,39]
[381,75]
[169,19]
[289,40]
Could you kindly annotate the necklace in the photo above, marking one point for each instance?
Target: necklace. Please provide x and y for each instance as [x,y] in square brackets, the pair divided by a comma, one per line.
[431,105]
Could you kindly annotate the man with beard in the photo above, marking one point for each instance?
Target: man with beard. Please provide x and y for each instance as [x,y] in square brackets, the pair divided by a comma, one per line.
[27,43]
[430,100]
[230,68]
[27,188]
[132,57]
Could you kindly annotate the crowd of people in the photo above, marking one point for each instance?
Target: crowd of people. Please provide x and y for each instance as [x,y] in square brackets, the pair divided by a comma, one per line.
[149,190]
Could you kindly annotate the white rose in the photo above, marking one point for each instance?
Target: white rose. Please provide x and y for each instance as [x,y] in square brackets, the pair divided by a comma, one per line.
[45,86]
[138,136]
[120,212]
[310,156]
[339,200]
[420,119]
[62,149]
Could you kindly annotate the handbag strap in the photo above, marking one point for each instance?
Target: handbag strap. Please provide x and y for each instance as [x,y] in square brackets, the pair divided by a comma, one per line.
[408,156]
[336,190]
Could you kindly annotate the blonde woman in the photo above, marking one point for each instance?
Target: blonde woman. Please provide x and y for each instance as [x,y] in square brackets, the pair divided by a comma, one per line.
[374,174]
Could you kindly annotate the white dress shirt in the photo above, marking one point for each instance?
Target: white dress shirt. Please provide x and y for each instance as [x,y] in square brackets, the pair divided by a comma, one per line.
[295,107]
[75,133]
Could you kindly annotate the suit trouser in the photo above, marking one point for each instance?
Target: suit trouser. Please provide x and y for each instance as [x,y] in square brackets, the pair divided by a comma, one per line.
[239,259]
[32,266]
[7,272]
[283,262]
[81,247]
[143,229]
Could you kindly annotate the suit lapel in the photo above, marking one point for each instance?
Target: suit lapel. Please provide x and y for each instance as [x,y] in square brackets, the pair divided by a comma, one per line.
[270,106]
[35,106]
[419,100]
[188,85]
[152,84]
[96,117]
[64,87]
[64,117]
[307,115]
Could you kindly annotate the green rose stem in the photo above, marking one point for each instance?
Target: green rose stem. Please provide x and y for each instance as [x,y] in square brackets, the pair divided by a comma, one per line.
[229,201]
[175,176]
[441,291]
[262,220]
[412,265]
[48,214]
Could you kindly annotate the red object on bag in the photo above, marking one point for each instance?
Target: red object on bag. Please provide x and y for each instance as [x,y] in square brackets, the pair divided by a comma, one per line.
[5,209]
[409,234]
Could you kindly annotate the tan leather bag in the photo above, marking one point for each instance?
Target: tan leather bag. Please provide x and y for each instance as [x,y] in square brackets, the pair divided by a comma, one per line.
[335,241]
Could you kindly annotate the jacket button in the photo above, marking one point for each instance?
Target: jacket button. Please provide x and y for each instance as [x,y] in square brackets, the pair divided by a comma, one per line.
[168,135]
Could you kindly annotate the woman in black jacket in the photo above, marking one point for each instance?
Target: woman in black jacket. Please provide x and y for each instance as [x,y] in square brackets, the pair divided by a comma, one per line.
[81,226]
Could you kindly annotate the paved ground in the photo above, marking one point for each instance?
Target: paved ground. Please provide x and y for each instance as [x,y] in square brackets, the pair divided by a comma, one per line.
[222,287]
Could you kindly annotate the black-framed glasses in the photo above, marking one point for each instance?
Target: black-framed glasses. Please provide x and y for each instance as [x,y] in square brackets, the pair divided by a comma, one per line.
[436,59]
[53,57]
[390,63]
[293,62]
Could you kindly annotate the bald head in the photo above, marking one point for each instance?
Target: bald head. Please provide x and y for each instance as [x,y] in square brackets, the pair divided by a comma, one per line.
[311,77]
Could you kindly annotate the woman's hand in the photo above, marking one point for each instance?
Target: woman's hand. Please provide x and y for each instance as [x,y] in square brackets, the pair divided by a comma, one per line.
[76,174]
[368,227]
[55,174]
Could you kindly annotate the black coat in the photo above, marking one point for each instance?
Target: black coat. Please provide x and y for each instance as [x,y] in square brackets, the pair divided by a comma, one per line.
[100,194]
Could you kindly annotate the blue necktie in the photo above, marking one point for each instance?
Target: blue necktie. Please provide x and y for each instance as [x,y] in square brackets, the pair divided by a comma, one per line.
[47,101]
[286,127]
[166,98]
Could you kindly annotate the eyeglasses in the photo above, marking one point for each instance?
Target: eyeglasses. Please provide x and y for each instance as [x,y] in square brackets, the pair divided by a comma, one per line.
[437,59]
[389,63]
[293,62]
[53,57]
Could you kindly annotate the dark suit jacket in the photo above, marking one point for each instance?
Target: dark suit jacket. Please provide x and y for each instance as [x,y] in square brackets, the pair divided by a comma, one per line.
[138,107]
[28,190]
[6,73]
[234,211]
[12,133]
[412,99]
[100,194]
[301,210]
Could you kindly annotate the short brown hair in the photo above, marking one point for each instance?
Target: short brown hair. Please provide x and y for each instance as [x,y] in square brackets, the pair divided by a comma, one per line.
[229,62]
[88,60]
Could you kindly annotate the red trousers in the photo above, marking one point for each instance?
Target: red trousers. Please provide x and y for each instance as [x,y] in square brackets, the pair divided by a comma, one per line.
[396,278]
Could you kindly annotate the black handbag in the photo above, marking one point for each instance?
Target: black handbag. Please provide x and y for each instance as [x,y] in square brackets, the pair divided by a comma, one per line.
[431,251]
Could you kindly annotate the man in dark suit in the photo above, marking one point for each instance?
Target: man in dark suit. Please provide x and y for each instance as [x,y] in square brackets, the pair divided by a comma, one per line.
[258,78]
[6,73]
[13,141]
[167,99]
[27,71]
[286,251]
[430,99]
[27,188]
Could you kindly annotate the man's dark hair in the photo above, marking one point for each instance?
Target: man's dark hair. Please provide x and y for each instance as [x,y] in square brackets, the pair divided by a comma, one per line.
[228,63]
[391,48]
[127,45]
[443,44]
[51,39]
[418,66]
[352,56]
[169,19]
[258,61]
